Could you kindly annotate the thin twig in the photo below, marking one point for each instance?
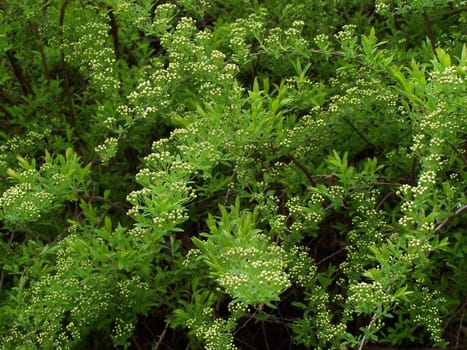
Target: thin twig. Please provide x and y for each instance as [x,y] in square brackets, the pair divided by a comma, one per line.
[243,343]
[284,323]
[364,340]
[461,156]
[429,29]
[382,183]
[18,73]
[66,82]
[330,256]
[380,203]
[444,222]
[159,342]
[135,343]
[453,314]
[246,322]
[41,50]
[265,336]
[3,271]
[454,11]
[114,32]
[304,170]
[460,327]
[359,133]
[232,178]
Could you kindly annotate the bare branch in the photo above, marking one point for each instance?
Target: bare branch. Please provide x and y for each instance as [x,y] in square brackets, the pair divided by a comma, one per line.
[159,342]
[429,29]
[66,82]
[445,221]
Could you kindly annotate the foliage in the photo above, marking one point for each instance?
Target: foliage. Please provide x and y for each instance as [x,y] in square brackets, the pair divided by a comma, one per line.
[233,174]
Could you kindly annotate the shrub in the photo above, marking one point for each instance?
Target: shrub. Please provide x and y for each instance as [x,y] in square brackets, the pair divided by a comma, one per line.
[234,174]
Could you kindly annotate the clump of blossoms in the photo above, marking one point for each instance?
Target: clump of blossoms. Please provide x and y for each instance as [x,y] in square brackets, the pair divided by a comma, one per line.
[317,328]
[403,7]
[307,214]
[68,300]
[301,267]
[248,266]
[38,191]
[216,333]
[254,276]
[91,52]
[108,149]
[62,318]
[21,204]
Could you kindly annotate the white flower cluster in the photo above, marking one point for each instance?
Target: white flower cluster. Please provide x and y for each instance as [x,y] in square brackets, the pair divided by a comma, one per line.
[301,267]
[347,33]
[427,313]
[322,40]
[254,276]
[449,77]
[417,244]
[122,329]
[382,7]
[24,203]
[31,139]
[92,54]
[163,17]
[238,45]
[368,297]
[216,335]
[60,315]
[126,289]
[108,149]
[305,216]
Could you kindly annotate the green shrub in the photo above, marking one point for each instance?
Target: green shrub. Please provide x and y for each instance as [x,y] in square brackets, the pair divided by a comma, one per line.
[232,173]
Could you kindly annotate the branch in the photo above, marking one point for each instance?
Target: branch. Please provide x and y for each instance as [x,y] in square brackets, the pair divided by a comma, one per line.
[265,336]
[41,50]
[457,152]
[362,343]
[455,11]
[2,276]
[284,322]
[304,170]
[380,203]
[360,134]
[114,32]
[19,74]
[66,82]
[460,325]
[6,112]
[228,187]
[444,222]
[429,29]
[330,256]
[246,322]
[135,342]
[162,335]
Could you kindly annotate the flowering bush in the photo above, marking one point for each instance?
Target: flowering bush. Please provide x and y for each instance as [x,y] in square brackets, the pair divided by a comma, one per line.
[232,175]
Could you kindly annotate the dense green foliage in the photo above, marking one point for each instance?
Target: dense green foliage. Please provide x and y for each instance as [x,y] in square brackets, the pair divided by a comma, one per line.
[233,174]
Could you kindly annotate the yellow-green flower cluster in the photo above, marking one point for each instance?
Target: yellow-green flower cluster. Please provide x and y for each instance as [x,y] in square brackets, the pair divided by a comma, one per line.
[217,335]
[254,276]
[22,203]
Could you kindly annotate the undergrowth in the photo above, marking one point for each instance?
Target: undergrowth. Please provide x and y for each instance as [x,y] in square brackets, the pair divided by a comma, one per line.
[233,175]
